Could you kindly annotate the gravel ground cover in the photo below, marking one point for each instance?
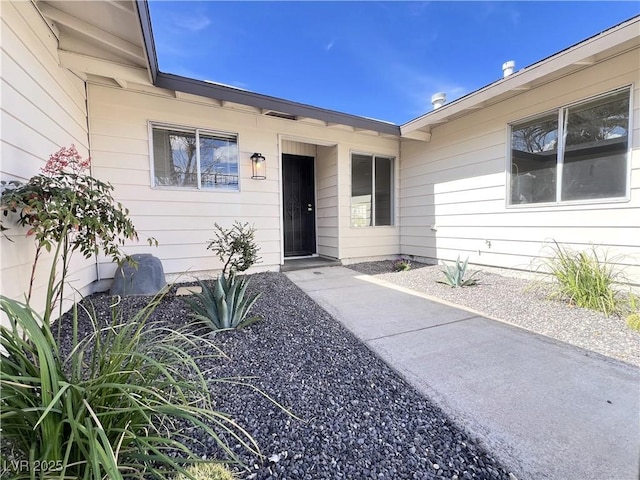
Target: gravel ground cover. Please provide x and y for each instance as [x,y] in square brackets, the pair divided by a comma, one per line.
[523,303]
[357,419]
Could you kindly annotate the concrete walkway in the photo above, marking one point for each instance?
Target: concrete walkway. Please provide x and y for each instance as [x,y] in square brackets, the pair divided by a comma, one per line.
[544,408]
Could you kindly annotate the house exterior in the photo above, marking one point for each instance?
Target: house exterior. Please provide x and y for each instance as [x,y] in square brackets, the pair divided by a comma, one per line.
[483,177]
[464,191]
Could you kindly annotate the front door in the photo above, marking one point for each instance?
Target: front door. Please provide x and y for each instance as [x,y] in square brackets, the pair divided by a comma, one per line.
[299,207]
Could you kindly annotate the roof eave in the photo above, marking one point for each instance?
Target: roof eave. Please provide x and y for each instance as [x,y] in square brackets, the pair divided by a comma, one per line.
[576,56]
[264,102]
[147,38]
[225,93]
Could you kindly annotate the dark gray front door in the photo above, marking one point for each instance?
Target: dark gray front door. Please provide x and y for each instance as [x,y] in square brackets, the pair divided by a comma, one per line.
[298,205]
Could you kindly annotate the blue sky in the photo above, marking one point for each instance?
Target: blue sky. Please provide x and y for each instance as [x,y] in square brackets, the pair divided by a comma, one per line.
[381,60]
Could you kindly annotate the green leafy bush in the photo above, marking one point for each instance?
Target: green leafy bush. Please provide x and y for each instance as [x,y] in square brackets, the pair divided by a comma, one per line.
[585,279]
[64,199]
[224,306]
[120,405]
[207,471]
[454,275]
[235,247]
[66,208]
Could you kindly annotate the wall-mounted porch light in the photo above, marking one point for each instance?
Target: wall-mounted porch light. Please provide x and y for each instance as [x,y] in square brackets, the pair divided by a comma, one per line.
[258,166]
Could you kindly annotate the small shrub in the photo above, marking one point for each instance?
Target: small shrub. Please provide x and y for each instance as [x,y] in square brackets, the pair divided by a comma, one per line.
[633,318]
[119,406]
[207,471]
[235,247]
[454,275]
[66,209]
[633,321]
[224,306]
[585,279]
[401,265]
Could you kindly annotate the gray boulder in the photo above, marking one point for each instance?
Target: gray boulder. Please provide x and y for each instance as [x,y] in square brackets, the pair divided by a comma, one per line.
[145,278]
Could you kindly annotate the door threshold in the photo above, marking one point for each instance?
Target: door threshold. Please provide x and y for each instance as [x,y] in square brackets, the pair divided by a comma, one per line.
[303,263]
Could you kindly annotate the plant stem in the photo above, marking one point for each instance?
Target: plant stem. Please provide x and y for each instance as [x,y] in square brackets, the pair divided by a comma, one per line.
[33,272]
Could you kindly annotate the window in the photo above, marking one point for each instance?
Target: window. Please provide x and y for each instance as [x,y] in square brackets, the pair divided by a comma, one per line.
[577,153]
[371,190]
[194,158]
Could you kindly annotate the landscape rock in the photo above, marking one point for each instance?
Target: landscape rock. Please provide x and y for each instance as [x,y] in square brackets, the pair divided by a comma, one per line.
[300,357]
[145,276]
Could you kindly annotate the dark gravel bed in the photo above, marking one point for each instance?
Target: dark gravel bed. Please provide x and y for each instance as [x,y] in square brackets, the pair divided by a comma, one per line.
[357,418]
[522,302]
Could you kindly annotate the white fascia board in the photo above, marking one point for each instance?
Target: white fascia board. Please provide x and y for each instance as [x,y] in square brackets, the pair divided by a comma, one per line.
[418,135]
[103,68]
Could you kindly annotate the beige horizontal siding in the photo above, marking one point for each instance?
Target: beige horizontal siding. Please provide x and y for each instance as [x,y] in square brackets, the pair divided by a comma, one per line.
[184,223]
[43,108]
[201,237]
[457,184]
[298,148]
[327,201]
[527,248]
[621,235]
[182,220]
[82,274]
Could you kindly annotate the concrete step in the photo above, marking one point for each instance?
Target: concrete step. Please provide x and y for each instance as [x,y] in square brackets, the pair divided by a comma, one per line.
[291,265]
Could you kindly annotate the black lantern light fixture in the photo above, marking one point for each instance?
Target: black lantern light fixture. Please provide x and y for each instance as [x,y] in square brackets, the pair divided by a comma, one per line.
[258,166]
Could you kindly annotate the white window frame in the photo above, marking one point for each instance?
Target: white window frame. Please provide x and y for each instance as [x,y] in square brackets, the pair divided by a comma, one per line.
[196,131]
[392,184]
[561,112]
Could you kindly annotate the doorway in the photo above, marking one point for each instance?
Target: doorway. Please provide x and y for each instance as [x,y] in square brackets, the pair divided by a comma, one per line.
[298,203]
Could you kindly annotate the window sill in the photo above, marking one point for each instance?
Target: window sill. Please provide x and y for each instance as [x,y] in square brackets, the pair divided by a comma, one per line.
[373,226]
[572,203]
[189,189]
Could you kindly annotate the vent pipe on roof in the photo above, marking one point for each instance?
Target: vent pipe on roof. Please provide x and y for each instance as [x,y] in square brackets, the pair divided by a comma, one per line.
[438,99]
[508,68]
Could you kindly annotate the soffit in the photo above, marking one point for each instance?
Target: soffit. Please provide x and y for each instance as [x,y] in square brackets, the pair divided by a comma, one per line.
[113,40]
[285,110]
[101,39]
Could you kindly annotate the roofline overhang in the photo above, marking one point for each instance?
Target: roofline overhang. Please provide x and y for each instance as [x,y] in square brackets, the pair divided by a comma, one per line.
[225,93]
[419,128]
[147,38]
[264,102]
[580,56]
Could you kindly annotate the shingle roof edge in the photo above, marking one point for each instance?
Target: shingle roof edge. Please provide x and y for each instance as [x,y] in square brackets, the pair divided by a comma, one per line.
[244,97]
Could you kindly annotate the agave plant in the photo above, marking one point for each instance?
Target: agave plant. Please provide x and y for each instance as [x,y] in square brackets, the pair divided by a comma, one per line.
[120,404]
[454,275]
[224,306]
